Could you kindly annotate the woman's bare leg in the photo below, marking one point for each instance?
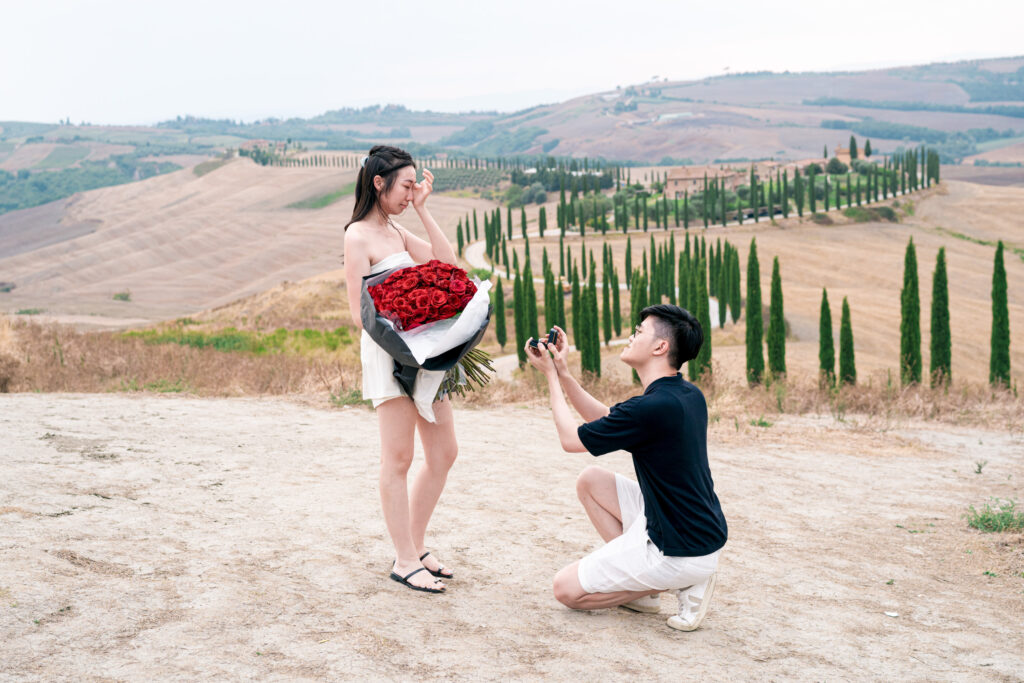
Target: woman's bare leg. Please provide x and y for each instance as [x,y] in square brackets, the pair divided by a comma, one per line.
[439,450]
[397,420]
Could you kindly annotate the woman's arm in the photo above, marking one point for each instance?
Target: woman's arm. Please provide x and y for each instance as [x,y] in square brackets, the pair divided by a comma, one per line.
[438,247]
[357,266]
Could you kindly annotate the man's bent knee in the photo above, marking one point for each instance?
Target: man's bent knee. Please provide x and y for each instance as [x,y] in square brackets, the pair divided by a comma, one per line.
[567,588]
[590,477]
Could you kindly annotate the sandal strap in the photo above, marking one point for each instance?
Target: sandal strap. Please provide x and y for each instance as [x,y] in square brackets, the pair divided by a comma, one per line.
[424,555]
[414,572]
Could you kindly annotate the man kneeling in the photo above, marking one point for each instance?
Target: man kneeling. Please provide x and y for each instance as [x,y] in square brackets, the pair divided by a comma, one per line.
[665,532]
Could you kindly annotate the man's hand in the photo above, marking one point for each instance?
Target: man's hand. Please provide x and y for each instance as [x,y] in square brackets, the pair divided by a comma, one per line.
[560,352]
[539,358]
[422,190]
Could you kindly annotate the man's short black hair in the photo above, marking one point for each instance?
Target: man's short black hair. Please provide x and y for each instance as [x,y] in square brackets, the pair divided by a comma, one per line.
[679,328]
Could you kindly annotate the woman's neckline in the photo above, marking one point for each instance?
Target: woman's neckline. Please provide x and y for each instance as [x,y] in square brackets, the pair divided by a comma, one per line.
[397,253]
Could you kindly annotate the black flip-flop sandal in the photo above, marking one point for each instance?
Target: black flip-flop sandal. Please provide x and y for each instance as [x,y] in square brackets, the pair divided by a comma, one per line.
[438,573]
[404,580]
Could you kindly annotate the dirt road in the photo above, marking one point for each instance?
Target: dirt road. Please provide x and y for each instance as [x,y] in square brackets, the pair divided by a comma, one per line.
[150,537]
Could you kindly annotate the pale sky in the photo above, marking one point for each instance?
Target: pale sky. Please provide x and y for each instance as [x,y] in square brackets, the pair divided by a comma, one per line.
[139,62]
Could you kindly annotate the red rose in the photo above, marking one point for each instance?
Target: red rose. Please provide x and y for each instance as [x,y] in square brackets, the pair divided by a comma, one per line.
[456,286]
[421,299]
[438,298]
[408,282]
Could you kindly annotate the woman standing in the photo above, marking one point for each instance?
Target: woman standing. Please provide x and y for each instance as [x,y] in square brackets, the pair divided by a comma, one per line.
[385,187]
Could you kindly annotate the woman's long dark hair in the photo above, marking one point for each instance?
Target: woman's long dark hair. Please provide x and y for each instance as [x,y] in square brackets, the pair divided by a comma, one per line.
[382,161]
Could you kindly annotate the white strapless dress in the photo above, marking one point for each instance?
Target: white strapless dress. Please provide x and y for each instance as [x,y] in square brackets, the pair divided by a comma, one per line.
[379,383]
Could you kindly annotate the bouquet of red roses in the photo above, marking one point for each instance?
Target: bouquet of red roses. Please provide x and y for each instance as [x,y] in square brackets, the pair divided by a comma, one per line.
[423,294]
[430,318]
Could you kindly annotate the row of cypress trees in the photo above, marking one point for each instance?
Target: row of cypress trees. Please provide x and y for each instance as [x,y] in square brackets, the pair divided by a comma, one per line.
[715,271]
[940,366]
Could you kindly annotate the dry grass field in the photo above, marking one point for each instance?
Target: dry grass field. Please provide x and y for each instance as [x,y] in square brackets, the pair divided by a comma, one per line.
[180,244]
[224,243]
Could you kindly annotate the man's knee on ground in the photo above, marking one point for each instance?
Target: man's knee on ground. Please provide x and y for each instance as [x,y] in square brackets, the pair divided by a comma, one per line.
[588,479]
[565,593]
[567,589]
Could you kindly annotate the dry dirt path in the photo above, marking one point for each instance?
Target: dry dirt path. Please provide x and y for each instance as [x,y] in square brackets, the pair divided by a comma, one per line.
[151,537]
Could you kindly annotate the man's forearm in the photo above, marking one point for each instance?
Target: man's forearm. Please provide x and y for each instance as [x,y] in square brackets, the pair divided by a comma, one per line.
[586,405]
[564,422]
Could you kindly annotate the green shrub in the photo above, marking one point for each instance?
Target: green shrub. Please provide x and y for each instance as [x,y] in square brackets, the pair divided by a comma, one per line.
[352,397]
[123,296]
[294,342]
[996,516]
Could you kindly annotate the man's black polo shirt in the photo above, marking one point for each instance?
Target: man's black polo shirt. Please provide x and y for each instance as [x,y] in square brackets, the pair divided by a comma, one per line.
[666,431]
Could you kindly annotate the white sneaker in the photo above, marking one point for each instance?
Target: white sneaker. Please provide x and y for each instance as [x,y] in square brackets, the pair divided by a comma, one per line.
[693,604]
[650,604]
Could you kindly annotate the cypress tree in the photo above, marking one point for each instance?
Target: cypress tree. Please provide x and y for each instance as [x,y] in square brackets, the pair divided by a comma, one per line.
[853,148]
[693,303]
[637,300]
[629,261]
[530,294]
[606,305]
[560,301]
[616,306]
[785,194]
[519,317]
[561,255]
[704,316]
[867,149]
[736,296]
[458,237]
[941,346]
[583,342]
[910,320]
[812,195]
[798,192]
[826,345]
[522,219]
[476,232]
[776,326]
[999,361]
[847,369]
[594,331]
[684,280]
[499,315]
[550,300]
[755,324]
[723,202]
[542,221]
[722,275]
[576,328]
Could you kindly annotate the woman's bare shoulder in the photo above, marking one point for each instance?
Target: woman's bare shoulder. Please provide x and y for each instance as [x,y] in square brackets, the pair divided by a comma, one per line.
[356,233]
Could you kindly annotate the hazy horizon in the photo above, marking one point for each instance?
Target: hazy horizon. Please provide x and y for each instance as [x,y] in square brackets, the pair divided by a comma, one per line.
[122,63]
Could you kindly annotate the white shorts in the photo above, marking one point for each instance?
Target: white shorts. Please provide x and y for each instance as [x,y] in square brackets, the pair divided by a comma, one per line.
[632,562]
